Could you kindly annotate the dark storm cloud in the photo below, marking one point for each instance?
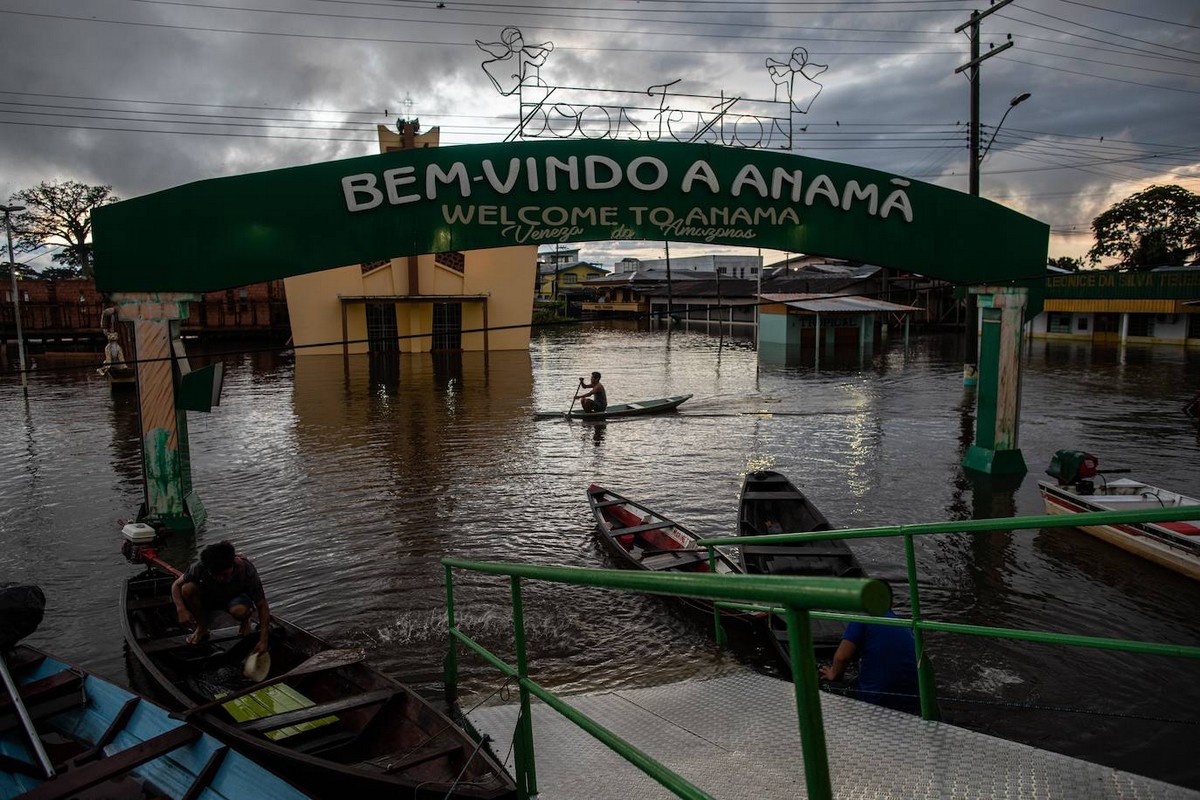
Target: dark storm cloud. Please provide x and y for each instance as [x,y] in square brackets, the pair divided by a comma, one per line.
[889,98]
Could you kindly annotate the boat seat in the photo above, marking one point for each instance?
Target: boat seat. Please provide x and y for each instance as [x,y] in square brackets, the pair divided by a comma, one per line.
[664,561]
[760,495]
[149,602]
[75,781]
[180,642]
[43,697]
[649,526]
[315,712]
[397,762]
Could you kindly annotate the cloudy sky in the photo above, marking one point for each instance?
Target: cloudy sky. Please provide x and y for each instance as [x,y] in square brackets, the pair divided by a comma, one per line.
[148,94]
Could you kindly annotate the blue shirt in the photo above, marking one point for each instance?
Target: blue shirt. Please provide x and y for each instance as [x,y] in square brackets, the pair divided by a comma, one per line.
[888,659]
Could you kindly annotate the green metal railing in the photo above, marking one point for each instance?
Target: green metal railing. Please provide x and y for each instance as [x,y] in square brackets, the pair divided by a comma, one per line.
[796,596]
[919,625]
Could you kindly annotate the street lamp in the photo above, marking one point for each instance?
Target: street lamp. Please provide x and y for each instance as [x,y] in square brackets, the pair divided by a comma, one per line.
[970,332]
[1016,101]
[12,271]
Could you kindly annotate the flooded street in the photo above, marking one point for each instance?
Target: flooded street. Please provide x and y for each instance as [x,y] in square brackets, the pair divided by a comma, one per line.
[346,484]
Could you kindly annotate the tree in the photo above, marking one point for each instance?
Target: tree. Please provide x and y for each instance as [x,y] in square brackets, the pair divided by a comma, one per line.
[1156,227]
[1066,262]
[59,213]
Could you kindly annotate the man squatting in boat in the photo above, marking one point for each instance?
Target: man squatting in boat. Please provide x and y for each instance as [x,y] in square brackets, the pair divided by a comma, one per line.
[599,398]
[221,580]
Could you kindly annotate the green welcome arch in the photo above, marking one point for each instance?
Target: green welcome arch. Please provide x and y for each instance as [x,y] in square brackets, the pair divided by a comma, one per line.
[234,231]
[155,253]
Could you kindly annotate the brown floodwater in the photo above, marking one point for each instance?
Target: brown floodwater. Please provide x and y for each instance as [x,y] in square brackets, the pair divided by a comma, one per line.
[346,483]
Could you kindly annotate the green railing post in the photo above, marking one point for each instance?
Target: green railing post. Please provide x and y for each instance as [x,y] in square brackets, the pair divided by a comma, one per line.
[450,667]
[808,704]
[526,762]
[718,627]
[927,685]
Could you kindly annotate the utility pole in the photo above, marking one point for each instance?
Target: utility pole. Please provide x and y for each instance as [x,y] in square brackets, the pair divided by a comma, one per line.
[970,337]
[12,271]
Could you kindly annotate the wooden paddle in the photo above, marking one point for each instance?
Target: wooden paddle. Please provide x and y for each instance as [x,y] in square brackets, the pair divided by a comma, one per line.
[574,397]
[326,659]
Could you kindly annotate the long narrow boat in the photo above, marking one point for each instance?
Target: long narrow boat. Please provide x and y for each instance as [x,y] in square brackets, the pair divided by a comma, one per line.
[346,730]
[643,539]
[1081,488]
[770,503]
[635,409]
[105,741]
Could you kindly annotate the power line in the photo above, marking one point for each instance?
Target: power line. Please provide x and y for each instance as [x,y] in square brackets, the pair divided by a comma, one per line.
[1110,33]
[1131,14]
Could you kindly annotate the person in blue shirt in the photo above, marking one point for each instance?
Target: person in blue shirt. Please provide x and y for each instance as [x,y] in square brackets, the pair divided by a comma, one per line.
[887,672]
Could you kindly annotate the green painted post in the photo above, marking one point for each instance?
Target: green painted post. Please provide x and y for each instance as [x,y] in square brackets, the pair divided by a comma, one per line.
[526,766]
[451,664]
[926,683]
[808,704]
[718,628]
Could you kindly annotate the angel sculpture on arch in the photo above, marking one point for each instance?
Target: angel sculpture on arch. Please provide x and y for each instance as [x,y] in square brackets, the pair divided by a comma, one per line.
[512,59]
[784,73]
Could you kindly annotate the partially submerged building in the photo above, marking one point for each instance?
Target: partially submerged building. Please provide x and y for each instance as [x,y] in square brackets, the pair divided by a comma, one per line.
[1158,306]
[468,300]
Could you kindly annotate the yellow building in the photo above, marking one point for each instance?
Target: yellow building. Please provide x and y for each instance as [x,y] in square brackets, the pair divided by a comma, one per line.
[558,280]
[444,302]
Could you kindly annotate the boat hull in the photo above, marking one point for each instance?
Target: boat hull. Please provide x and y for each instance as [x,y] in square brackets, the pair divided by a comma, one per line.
[641,539]
[73,711]
[768,500]
[637,409]
[1175,546]
[374,736]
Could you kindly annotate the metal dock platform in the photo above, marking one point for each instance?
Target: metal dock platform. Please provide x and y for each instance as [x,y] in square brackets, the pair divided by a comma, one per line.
[736,736]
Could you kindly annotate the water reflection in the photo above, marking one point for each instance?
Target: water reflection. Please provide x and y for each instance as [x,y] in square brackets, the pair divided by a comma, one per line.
[347,481]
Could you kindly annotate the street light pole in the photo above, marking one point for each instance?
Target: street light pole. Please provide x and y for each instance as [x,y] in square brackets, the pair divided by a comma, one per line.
[12,271]
[1016,101]
[971,27]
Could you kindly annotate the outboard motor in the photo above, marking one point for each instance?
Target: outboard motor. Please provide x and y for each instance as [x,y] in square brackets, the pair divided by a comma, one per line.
[139,540]
[1072,466]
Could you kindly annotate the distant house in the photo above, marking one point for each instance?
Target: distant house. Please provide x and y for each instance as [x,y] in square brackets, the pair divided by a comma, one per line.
[565,280]
[1159,306]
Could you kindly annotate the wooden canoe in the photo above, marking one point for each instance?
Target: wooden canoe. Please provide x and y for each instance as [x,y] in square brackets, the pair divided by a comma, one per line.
[639,538]
[103,740]
[344,731]
[636,409]
[770,503]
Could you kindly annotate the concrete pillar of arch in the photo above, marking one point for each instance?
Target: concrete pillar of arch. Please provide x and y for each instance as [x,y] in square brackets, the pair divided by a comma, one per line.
[998,398]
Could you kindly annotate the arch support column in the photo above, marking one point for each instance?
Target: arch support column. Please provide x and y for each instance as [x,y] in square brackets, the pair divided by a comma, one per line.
[998,398]
[169,500]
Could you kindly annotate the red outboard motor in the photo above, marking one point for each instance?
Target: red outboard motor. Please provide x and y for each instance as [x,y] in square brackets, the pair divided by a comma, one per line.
[1073,466]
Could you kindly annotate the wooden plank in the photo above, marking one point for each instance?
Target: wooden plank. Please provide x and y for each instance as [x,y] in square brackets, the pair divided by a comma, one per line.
[119,720]
[649,526]
[72,783]
[33,691]
[668,562]
[415,757]
[176,642]
[316,712]
[206,774]
[149,602]
[607,503]
[770,496]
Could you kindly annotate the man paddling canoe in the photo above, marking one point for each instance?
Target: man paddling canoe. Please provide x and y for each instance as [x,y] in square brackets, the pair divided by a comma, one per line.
[596,399]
